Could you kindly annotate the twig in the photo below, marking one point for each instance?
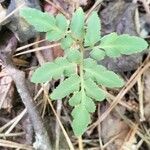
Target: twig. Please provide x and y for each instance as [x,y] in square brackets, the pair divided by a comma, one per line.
[16,122]
[129,123]
[42,139]
[13,120]
[139,144]
[141,106]
[130,137]
[12,134]
[98,2]
[99,129]
[125,89]
[28,45]
[132,125]
[62,128]
[59,9]
[10,144]
[112,140]
[41,61]
[57,128]
[14,11]
[38,49]
[122,103]
[137,21]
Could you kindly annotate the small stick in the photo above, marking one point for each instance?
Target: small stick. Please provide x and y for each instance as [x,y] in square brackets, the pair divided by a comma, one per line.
[59,9]
[137,21]
[14,11]
[57,128]
[16,122]
[139,144]
[141,107]
[42,139]
[112,140]
[130,137]
[93,7]
[13,120]
[38,49]
[62,127]
[12,134]
[28,45]
[125,89]
[99,129]
[10,144]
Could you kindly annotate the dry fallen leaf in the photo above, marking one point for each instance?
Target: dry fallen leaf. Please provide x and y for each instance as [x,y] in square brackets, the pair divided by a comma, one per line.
[114,126]
[6,91]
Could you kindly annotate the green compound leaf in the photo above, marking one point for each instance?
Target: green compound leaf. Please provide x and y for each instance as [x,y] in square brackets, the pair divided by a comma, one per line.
[75,99]
[84,105]
[63,67]
[77,23]
[42,22]
[89,63]
[107,40]
[81,119]
[74,56]
[84,89]
[93,30]
[61,22]
[60,30]
[53,70]
[93,91]
[66,42]
[90,105]
[97,53]
[131,44]
[103,76]
[115,45]
[43,73]
[54,35]
[67,87]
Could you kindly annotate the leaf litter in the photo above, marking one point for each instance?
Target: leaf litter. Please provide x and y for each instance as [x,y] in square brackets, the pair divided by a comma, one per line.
[121,129]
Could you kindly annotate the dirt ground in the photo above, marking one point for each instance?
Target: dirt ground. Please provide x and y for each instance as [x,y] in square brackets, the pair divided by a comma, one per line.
[121,122]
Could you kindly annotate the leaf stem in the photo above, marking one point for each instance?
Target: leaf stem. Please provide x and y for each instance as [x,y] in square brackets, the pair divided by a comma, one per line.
[80,143]
[82,72]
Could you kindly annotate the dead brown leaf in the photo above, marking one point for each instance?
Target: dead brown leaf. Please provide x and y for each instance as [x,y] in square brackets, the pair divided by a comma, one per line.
[6,91]
[114,126]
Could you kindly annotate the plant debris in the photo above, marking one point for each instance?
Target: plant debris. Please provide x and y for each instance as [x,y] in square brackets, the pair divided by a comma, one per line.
[121,122]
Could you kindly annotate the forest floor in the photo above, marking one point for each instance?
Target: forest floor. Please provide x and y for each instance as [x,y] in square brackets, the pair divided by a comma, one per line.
[121,122]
